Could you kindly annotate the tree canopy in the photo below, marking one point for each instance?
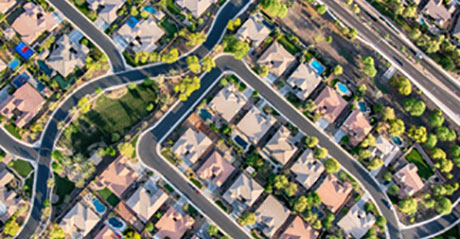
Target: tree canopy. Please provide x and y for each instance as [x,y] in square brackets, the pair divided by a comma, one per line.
[207,64]
[187,86]
[193,64]
[408,206]
[239,48]
[274,8]
[331,165]
[402,84]
[418,134]
[369,68]
[414,107]
[171,56]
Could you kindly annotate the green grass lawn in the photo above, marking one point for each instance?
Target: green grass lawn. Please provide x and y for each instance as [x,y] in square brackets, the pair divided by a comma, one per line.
[28,185]
[288,45]
[62,187]
[23,168]
[13,130]
[424,170]
[169,27]
[109,196]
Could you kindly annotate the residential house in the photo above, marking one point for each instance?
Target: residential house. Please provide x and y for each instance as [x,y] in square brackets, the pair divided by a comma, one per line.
[196,7]
[23,104]
[67,56]
[33,21]
[279,146]
[298,229]
[215,168]
[408,180]
[356,126]
[385,150]
[191,145]
[245,190]
[276,58]
[456,29]
[9,200]
[304,80]
[438,12]
[117,177]
[140,35]
[255,124]
[79,221]
[145,203]
[228,102]
[106,9]
[271,215]
[307,169]
[254,30]
[334,193]
[329,104]
[173,224]
[107,233]
[357,222]
[5,5]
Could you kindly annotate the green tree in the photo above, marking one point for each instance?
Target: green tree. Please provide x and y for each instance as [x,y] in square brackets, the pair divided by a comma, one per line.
[369,68]
[375,164]
[84,104]
[311,141]
[327,221]
[247,219]
[418,134]
[320,152]
[56,232]
[402,84]
[364,154]
[195,38]
[321,9]
[444,165]
[443,206]
[393,190]
[149,227]
[187,86]
[11,227]
[396,127]
[290,189]
[239,48]
[213,230]
[134,12]
[431,141]
[331,165]
[171,56]
[126,149]
[414,107]
[445,134]
[280,181]
[408,206]
[387,177]
[301,204]
[274,8]
[455,151]
[338,70]
[387,114]
[438,153]
[193,64]
[436,119]
[368,141]
[208,64]
[410,11]
[263,71]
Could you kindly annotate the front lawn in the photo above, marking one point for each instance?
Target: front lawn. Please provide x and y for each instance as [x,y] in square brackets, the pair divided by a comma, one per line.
[62,188]
[424,170]
[23,168]
[13,130]
[109,196]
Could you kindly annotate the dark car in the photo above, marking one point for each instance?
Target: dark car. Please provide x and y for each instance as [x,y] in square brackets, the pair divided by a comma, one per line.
[388,204]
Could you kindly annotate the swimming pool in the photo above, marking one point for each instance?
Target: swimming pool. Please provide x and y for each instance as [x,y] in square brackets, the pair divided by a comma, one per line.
[343,89]
[397,140]
[422,21]
[241,142]
[116,223]
[363,107]
[149,9]
[205,114]
[44,67]
[100,208]
[14,64]
[319,68]
[132,21]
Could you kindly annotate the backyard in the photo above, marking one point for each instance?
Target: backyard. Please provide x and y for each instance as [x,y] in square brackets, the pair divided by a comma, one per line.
[63,187]
[424,170]
[109,196]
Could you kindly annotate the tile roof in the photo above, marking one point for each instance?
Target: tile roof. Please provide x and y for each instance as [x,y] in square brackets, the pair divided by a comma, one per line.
[279,146]
[5,5]
[142,36]
[79,221]
[173,224]
[244,189]
[254,29]
[357,126]
[118,177]
[191,145]
[334,193]
[228,102]
[307,169]
[436,10]
[32,22]
[330,104]
[107,233]
[67,56]
[299,229]
[255,124]
[215,168]
[409,180]
[145,203]
[357,222]
[305,79]
[108,8]
[196,7]
[271,215]
[276,58]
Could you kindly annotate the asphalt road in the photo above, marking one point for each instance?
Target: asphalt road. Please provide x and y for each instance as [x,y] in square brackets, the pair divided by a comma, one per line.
[444,93]
[16,147]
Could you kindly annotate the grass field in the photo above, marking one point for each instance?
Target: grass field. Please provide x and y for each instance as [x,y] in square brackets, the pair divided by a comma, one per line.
[12,130]
[23,168]
[109,196]
[62,188]
[424,170]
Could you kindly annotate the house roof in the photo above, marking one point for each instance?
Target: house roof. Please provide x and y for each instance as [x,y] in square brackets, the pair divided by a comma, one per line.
[5,175]
[9,202]
[244,189]
[106,233]
[436,10]
[26,100]
[67,56]
[108,8]
[271,215]
[118,177]
[409,180]
[255,124]
[276,58]
[228,102]
[254,29]
[330,104]
[196,7]
[357,222]
[383,145]
[32,22]
[79,221]
[305,79]
[145,203]
[173,224]
[215,168]
[298,229]
[307,169]
[5,5]
[334,193]
[357,126]
[191,145]
[142,36]
[279,146]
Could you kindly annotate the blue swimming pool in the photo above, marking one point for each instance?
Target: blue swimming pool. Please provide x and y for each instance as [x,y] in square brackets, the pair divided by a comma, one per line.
[422,21]
[363,107]
[14,64]
[205,114]
[241,142]
[44,67]
[319,68]
[100,208]
[149,9]
[397,140]
[132,21]
[115,222]
[343,88]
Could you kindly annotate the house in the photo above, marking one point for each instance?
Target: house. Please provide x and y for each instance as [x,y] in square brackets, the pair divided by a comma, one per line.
[304,80]
[329,104]
[106,9]
[228,102]
[79,221]
[145,203]
[276,58]
[436,10]
[117,177]
[140,35]
[279,146]
[23,104]
[298,229]
[357,222]
[216,169]
[5,5]
[245,190]
[408,180]
[255,124]
[333,193]
[191,145]
[107,233]
[385,150]
[33,21]
[173,224]
[9,200]
[307,169]
[271,215]
[356,126]
[196,7]
[254,30]
[67,56]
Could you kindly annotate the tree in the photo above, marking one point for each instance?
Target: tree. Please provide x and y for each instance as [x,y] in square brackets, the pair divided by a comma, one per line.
[387,177]
[443,206]
[327,221]
[187,86]
[213,230]
[410,11]
[274,8]
[193,64]
[126,149]
[320,153]
[445,134]
[49,42]
[208,64]
[431,141]
[310,106]
[455,151]
[290,189]
[436,119]
[149,227]
[444,165]
[84,105]
[56,232]
[393,190]
[280,181]
[239,48]
[132,86]
[195,38]
[247,219]
[11,227]
[396,127]
[388,114]
[263,71]
[418,134]
[301,204]
[311,141]
[171,56]
[403,85]
[375,164]
[368,141]
[408,206]
[134,12]
[414,107]
[131,234]
[331,165]
[314,199]
[364,154]
[338,70]
[321,9]
[369,68]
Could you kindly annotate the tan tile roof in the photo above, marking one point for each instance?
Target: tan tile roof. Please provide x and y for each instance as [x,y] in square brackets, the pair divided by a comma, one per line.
[276,58]
[196,7]
[118,177]
[334,193]
[33,22]
[279,146]
[254,29]
[106,233]
[307,169]
[108,13]
[191,145]
[79,221]
[216,168]
[5,175]
[357,126]
[299,229]
[357,222]
[244,189]
[255,124]
[146,203]
[67,56]
[329,104]
[143,36]
[436,10]
[9,202]
[408,180]
[5,5]
[271,215]
[228,102]
[305,79]
[173,224]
